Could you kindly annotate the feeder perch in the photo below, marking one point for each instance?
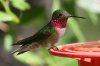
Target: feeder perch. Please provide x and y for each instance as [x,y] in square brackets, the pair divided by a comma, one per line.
[87,53]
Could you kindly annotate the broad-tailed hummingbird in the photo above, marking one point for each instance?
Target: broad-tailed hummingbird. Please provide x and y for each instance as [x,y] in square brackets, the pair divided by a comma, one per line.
[47,36]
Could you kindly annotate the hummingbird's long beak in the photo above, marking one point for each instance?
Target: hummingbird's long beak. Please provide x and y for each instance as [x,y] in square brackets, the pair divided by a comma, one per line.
[77,17]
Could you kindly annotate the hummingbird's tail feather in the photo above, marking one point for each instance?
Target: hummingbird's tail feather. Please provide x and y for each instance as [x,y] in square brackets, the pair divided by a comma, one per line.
[17,43]
[20,50]
[17,50]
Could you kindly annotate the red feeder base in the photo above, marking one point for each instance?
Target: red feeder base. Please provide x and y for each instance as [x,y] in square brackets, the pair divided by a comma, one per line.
[92,62]
[87,53]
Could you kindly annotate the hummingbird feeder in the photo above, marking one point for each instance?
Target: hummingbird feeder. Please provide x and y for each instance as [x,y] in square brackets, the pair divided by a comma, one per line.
[87,53]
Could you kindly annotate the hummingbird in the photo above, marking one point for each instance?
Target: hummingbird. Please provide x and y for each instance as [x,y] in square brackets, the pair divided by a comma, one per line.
[47,36]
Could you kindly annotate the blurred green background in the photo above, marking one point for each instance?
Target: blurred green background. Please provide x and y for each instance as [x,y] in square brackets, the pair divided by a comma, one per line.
[22,18]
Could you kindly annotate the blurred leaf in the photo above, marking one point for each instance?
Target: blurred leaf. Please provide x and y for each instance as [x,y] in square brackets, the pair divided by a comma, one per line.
[56,5]
[93,17]
[55,61]
[29,58]
[20,4]
[15,18]
[36,13]
[90,5]
[67,38]
[71,62]
[5,4]
[5,17]
[8,40]
[73,24]
[69,6]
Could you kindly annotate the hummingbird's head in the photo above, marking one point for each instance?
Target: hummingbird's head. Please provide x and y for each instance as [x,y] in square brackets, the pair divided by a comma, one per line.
[59,18]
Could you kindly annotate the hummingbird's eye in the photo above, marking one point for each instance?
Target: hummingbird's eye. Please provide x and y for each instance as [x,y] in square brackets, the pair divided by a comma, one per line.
[60,14]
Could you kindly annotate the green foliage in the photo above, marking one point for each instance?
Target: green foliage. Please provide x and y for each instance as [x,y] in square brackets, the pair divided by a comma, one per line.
[85,4]
[76,30]
[29,58]
[56,5]
[8,40]
[5,17]
[9,15]
[20,4]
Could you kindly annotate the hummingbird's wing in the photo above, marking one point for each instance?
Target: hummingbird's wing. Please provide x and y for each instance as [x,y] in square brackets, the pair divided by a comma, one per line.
[42,34]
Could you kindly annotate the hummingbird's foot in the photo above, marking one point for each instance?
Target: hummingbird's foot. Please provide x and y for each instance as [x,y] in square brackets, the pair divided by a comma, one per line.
[54,48]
